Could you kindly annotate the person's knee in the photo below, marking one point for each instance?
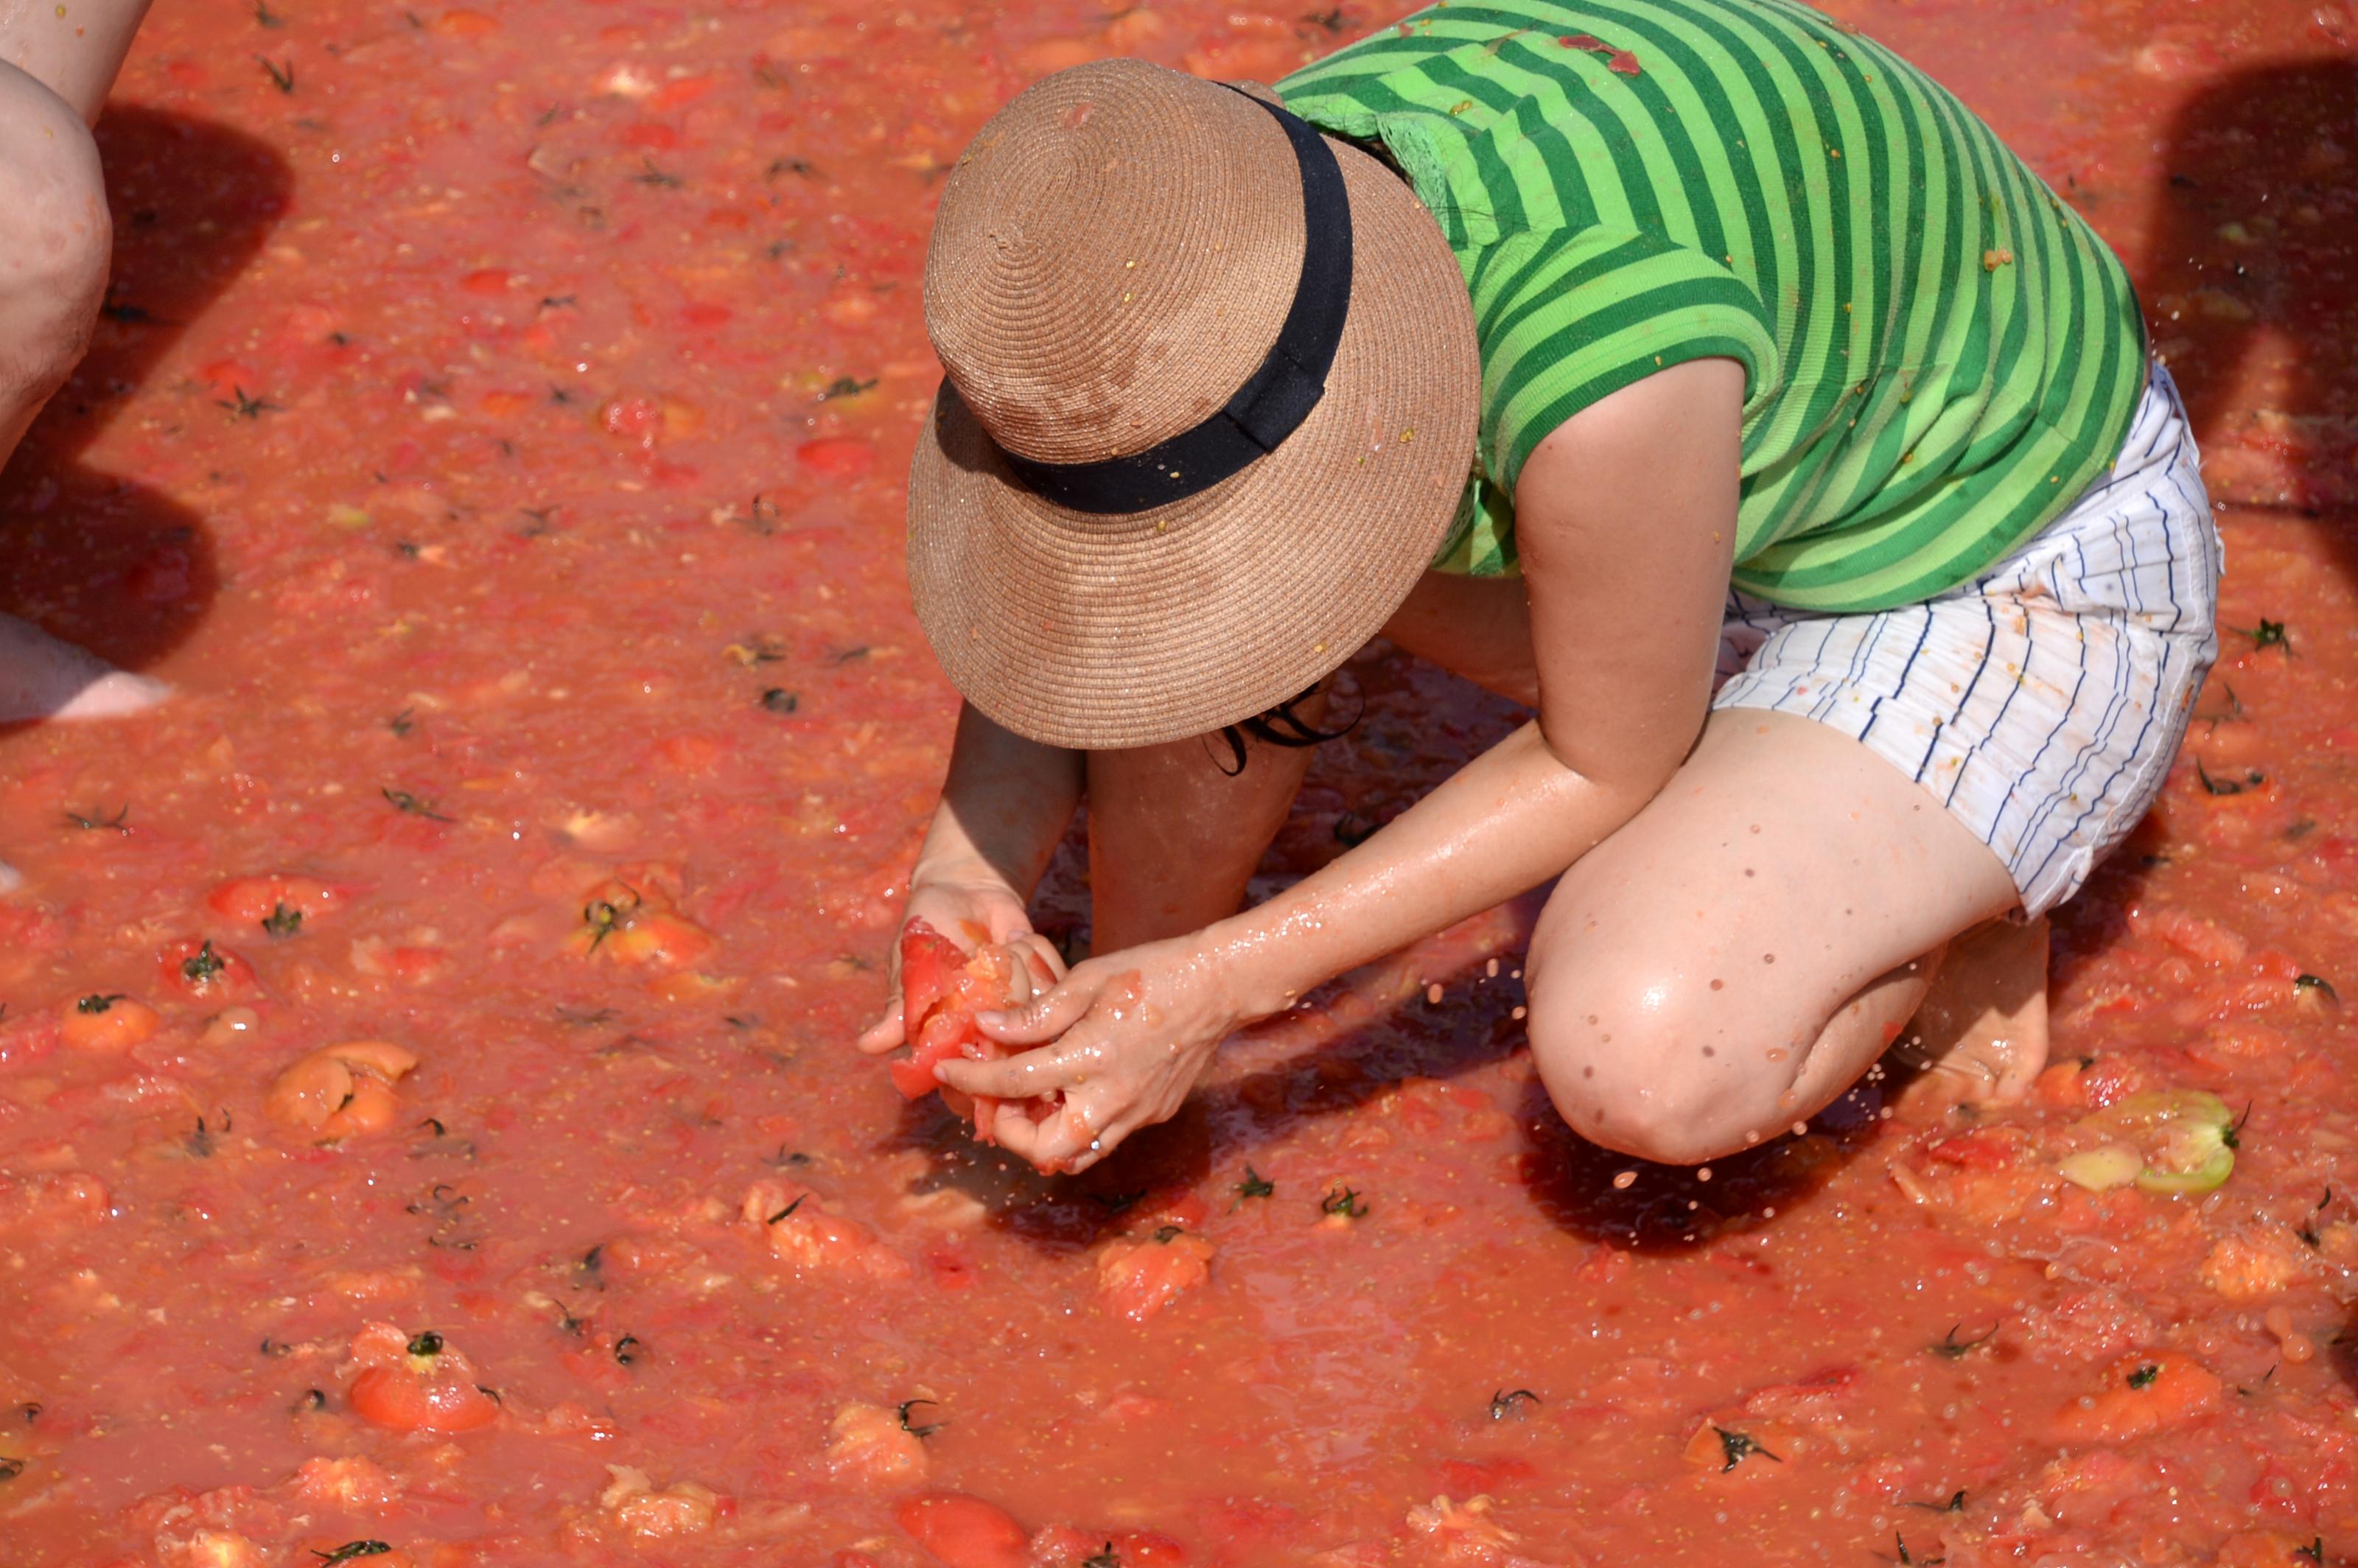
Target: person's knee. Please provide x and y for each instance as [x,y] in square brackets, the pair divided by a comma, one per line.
[55,236]
[1636,1060]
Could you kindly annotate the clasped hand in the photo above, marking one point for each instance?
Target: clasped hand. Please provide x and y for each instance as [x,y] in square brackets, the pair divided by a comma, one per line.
[1121,1039]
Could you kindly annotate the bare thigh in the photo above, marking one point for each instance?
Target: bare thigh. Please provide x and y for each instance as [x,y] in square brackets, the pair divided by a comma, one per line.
[74,51]
[1731,960]
[1175,830]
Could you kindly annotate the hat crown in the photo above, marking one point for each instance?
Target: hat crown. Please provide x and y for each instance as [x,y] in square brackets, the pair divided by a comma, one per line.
[1113,256]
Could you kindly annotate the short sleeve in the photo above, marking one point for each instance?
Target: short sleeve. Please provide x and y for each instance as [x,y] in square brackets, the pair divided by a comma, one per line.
[1566,317]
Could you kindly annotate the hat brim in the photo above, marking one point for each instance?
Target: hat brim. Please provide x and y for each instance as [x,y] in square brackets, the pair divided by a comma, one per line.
[1099,633]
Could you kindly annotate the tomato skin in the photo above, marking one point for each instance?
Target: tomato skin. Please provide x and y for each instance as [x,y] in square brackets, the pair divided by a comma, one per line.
[2143,1393]
[402,1400]
[117,1024]
[963,1531]
[942,990]
[203,972]
[836,456]
[250,900]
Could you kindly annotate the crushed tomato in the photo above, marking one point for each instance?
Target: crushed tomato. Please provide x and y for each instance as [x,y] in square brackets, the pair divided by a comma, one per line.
[496,436]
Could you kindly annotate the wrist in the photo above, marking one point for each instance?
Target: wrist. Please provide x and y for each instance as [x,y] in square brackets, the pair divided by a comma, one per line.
[1267,960]
[959,870]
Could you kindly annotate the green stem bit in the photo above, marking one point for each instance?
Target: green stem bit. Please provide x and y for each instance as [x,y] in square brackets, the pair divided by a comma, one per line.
[785,1211]
[657,178]
[403,722]
[2253,778]
[1954,1348]
[2144,1376]
[1334,21]
[1737,1447]
[202,967]
[1907,1562]
[283,919]
[239,404]
[2232,1135]
[1342,1201]
[427,1343]
[602,918]
[2266,634]
[199,1144]
[408,804]
[263,16]
[1505,1402]
[2314,1550]
[1114,1203]
[281,76]
[351,1549]
[927,1430]
[1956,1505]
[1106,1558]
[625,1347]
[97,1004]
[1255,1186]
[845,386]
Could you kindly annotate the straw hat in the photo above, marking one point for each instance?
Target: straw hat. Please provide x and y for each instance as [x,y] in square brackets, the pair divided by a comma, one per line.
[1116,258]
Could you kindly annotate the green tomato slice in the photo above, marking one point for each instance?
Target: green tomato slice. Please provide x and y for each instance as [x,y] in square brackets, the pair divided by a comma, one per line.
[2183,1134]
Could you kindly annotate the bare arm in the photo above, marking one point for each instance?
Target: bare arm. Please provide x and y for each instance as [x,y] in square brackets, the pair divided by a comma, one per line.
[1626,522]
[1004,807]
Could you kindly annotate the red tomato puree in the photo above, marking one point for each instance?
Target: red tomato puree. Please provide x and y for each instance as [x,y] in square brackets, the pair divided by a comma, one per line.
[429,1129]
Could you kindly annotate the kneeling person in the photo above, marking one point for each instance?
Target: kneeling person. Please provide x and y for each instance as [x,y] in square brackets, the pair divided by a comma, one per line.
[1702,375]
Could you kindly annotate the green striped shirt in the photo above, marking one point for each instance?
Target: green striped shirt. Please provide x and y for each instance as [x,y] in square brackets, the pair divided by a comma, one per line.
[1939,354]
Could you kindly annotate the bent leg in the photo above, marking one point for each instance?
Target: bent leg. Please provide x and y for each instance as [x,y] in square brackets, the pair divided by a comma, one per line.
[1173,836]
[55,239]
[73,50]
[1737,955]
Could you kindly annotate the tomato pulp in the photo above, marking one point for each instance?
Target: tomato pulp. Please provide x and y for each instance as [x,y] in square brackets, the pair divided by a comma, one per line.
[496,434]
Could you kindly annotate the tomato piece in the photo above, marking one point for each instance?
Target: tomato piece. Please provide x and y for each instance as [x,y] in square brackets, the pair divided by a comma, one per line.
[2143,1393]
[927,960]
[416,1383]
[266,900]
[196,969]
[342,1091]
[399,1402]
[963,1531]
[942,989]
[103,1023]
[2185,1137]
[1139,1278]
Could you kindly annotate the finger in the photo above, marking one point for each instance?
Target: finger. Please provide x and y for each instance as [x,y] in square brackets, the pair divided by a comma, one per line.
[887,1034]
[1040,960]
[1018,1078]
[1047,1016]
[1062,1143]
[1009,922]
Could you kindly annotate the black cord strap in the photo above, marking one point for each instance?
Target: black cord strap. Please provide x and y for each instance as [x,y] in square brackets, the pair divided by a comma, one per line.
[1273,401]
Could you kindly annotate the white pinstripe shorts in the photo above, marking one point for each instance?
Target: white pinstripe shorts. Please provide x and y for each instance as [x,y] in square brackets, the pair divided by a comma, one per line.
[2042,702]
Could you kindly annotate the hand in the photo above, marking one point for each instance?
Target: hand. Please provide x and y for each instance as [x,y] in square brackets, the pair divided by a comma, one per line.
[970,910]
[1133,1032]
